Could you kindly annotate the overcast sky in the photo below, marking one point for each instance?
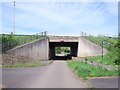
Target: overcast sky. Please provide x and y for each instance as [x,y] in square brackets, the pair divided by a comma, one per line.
[60,18]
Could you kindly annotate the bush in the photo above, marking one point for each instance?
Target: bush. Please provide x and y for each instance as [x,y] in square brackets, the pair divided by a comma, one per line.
[8,42]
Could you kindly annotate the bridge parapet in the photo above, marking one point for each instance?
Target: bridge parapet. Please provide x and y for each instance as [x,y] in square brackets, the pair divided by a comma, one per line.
[63,39]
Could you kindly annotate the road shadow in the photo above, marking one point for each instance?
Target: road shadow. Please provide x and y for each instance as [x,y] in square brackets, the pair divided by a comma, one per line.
[61,58]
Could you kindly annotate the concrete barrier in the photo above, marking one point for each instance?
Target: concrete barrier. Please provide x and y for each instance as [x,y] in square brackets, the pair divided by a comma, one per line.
[37,49]
[87,48]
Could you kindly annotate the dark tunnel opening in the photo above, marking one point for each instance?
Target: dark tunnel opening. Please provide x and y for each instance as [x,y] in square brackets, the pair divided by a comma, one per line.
[73,47]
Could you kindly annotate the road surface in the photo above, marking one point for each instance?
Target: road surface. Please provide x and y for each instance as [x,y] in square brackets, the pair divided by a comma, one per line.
[55,75]
[0,77]
[105,82]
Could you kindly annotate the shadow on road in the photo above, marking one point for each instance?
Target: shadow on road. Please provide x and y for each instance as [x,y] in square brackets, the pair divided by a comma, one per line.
[62,58]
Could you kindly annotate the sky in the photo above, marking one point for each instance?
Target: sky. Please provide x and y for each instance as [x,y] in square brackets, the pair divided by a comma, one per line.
[60,18]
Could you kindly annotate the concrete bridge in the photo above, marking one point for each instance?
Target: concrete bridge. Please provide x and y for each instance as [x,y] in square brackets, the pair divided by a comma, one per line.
[45,49]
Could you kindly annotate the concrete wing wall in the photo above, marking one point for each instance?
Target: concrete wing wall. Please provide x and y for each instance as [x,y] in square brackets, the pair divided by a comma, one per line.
[38,49]
[88,48]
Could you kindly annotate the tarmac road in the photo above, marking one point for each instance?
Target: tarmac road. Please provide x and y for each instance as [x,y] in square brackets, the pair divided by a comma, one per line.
[55,75]
[105,82]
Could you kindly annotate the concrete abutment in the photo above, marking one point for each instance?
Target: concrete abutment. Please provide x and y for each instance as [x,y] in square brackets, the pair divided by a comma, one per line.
[44,49]
[37,49]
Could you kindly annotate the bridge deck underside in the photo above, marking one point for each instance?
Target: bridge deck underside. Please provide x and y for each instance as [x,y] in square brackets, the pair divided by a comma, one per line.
[73,49]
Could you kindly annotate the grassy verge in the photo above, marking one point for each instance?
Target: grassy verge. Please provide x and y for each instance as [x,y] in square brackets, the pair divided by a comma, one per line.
[86,71]
[106,60]
[32,64]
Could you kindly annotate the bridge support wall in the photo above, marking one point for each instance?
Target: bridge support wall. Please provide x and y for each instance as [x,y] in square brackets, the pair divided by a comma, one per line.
[44,49]
[38,49]
[88,48]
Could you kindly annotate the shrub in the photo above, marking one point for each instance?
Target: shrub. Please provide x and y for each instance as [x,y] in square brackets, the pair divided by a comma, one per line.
[8,42]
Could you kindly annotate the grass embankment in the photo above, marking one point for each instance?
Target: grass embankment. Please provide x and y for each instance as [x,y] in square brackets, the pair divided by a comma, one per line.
[106,60]
[9,41]
[31,64]
[111,44]
[26,38]
[86,71]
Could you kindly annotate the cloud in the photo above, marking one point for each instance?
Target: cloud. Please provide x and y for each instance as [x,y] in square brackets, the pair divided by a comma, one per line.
[1,17]
[61,0]
[62,18]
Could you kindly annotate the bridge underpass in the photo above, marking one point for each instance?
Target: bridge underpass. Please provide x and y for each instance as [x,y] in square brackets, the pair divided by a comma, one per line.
[73,50]
[44,49]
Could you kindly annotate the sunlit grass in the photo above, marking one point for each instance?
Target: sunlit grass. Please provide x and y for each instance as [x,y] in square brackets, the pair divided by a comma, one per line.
[86,71]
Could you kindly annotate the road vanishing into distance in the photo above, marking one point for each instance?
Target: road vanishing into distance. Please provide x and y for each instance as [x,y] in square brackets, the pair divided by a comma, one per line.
[55,75]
